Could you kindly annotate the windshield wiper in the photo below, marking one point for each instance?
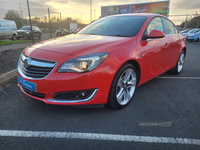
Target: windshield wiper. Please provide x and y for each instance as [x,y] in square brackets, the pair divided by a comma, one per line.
[120,35]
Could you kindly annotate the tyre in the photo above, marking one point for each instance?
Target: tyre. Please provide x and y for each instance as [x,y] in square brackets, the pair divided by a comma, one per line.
[39,37]
[123,87]
[179,65]
[198,40]
[14,37]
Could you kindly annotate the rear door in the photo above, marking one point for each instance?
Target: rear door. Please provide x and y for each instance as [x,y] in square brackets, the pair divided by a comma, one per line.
[173,42]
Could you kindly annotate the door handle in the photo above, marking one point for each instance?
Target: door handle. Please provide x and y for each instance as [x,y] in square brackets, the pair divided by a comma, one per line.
[166,45]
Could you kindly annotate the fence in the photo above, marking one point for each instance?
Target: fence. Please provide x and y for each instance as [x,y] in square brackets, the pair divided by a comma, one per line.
[48,19]
[186,21]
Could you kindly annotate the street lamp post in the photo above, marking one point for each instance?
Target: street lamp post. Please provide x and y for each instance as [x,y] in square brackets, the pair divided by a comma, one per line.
[21,14]
[90,10]
[94,14]
[81,17]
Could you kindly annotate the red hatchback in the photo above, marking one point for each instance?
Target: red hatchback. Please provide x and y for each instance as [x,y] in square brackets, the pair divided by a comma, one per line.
[103,63]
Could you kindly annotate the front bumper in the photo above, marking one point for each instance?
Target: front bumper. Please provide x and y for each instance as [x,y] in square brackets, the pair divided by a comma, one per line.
[99,79]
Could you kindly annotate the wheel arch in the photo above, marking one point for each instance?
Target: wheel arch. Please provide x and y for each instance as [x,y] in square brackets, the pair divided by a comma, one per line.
[14,34]
[137,66]
[184,49]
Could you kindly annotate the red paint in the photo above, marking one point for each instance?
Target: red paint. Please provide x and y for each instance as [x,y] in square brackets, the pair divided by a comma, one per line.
[156,33]
[154,56]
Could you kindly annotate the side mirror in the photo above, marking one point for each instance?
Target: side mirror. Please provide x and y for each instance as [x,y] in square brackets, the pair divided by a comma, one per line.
[154,34]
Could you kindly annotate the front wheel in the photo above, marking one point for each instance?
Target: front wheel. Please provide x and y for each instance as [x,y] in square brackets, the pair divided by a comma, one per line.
[179,65]
[39,37]
[14,37]
[123,87]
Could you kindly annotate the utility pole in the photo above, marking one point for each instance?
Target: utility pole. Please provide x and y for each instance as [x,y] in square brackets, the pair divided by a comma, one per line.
[30,21]
[61,23]
[49,22]
[21,14]
[186,22]
[90,10]
[168,8]
[198,22]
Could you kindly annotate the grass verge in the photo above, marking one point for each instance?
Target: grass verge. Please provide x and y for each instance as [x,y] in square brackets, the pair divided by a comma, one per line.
[15,42]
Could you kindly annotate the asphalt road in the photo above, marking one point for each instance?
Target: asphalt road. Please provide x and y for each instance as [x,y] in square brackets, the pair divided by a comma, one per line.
[163,99]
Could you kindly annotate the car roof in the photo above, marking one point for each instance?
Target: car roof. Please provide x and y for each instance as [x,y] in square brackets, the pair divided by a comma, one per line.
[139,14]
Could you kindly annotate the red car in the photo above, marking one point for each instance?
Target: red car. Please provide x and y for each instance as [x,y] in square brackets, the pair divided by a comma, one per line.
[104,62]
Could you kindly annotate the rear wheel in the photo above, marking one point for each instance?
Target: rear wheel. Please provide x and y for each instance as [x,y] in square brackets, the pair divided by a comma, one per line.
[179,65]
[123,87]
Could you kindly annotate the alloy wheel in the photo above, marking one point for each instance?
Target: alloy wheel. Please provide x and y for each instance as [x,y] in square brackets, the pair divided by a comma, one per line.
[126,86]
[181,62]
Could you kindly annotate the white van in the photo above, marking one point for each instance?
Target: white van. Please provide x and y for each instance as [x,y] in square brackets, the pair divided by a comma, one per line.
[8,30]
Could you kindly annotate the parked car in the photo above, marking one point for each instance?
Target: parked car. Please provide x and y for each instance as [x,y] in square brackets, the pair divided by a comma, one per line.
[194,37]
[72,31]
[8,30]
[25,32]
[104,62]
[185,31]
[64,32]
[190,32]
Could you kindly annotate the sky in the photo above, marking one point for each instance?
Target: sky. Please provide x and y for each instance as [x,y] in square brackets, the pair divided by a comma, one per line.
[81,8]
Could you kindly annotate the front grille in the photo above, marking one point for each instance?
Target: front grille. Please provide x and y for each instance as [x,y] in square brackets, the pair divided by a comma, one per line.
[35,68]
[20,33]
[33,93]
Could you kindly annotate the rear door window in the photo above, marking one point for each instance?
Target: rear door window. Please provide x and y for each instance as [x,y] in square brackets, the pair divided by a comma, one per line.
[169,27]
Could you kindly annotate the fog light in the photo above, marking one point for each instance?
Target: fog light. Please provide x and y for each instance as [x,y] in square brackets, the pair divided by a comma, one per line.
[81,94]
[73,95]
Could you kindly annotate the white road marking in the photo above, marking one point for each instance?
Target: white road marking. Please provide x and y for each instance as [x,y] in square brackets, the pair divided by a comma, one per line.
[97,136]
[191,78]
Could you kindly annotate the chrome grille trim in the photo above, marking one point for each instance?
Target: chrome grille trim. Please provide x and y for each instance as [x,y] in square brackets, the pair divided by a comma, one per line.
[32,68]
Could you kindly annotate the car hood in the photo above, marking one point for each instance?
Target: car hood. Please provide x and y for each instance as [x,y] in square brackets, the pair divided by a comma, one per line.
[197,34]
[78,44]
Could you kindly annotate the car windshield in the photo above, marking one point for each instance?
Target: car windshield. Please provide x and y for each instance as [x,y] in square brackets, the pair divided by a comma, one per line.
[62,29]
[192,31]
[197,31]
[26,28]
[125,26]
[184,31]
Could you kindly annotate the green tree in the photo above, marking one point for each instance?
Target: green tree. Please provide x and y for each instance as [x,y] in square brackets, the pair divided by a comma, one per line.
[15,16]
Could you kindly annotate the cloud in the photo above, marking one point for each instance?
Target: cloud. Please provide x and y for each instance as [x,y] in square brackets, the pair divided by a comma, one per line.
[185,4]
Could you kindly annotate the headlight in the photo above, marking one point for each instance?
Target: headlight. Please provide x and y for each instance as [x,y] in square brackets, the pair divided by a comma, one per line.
[27,32]
[84,63]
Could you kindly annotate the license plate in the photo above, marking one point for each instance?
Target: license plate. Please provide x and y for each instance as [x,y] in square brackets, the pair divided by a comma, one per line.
[27,84]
